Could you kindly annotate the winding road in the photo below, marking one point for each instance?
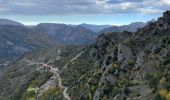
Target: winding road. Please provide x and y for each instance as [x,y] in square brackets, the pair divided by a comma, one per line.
[51,81]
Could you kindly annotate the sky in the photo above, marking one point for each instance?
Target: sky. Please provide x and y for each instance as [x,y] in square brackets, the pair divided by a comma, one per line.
[113,12]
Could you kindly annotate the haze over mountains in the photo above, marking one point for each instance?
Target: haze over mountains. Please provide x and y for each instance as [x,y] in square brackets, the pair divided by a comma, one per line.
[9,22]
[17,39]
[85,50]
[82,34]
[130,28]
[117,66]
[95,28]
[66,34]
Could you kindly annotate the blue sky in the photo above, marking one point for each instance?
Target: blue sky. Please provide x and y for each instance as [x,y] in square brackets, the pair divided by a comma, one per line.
[114,12]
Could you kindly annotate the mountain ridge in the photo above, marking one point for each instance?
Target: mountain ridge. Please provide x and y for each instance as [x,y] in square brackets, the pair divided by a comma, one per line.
[68,35]
[118,66]
[133,27]
[9,22]
[17,39]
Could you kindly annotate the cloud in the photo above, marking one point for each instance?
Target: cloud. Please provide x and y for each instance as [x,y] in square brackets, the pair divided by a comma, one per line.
[149,10]
[81,7]
[2,9]
[165,2]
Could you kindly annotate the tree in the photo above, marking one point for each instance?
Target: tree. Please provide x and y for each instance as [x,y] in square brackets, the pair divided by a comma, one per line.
[162,81]
[168,96]
[105,98]
[163,93]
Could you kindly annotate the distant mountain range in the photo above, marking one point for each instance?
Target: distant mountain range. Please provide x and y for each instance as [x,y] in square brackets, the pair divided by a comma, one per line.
[16,39]
[67,35]
[82,34]
[95,28]
[9,22]
[131,28]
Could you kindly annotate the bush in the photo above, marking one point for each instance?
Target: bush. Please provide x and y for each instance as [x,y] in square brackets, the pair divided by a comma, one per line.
[153,82]
[114,66]
[158,97]
[126,90]
[31,93]
[31,99]
[134,82]
[153,79]
[52,94]
[148,76]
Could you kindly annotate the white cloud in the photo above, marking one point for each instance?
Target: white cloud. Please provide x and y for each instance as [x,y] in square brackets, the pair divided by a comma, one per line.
[24,3]
[149,11]
[127,5]
[165,2]
[80,7]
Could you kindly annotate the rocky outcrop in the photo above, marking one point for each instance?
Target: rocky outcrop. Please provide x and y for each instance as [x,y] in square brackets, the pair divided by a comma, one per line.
[133,64]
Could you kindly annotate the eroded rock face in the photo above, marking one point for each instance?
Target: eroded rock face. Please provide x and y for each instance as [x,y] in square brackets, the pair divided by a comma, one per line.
[166,17]
[133,63]
[124,53]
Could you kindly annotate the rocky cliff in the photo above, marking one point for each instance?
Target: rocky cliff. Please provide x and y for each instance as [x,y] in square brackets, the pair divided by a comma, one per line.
[135,66]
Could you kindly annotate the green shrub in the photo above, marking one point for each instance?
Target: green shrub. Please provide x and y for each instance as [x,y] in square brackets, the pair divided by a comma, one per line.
[158,97]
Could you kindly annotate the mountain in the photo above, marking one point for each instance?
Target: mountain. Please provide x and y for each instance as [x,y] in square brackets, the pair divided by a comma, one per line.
[66,34]
[119,66]
[16,40]
[131,28]
[95,28]
[20,75]
[9,22]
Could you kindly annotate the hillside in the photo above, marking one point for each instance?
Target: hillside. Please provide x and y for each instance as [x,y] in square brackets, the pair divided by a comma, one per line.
[66,34]
[16,40]
[119,66]
[82,34]
[18,77]
[124,66]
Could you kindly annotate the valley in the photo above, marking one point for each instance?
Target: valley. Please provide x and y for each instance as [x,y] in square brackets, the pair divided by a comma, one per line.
[52,61]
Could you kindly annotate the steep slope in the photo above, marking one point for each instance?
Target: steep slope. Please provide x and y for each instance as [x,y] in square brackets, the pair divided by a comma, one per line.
[16,40]
[66,34]
[123,66]
[131,28]
[119,66]
[133,66]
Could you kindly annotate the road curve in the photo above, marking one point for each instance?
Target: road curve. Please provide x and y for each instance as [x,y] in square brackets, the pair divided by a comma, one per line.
[55,72]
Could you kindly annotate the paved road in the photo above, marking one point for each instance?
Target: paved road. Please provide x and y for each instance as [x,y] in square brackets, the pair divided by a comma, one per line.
[51,82]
